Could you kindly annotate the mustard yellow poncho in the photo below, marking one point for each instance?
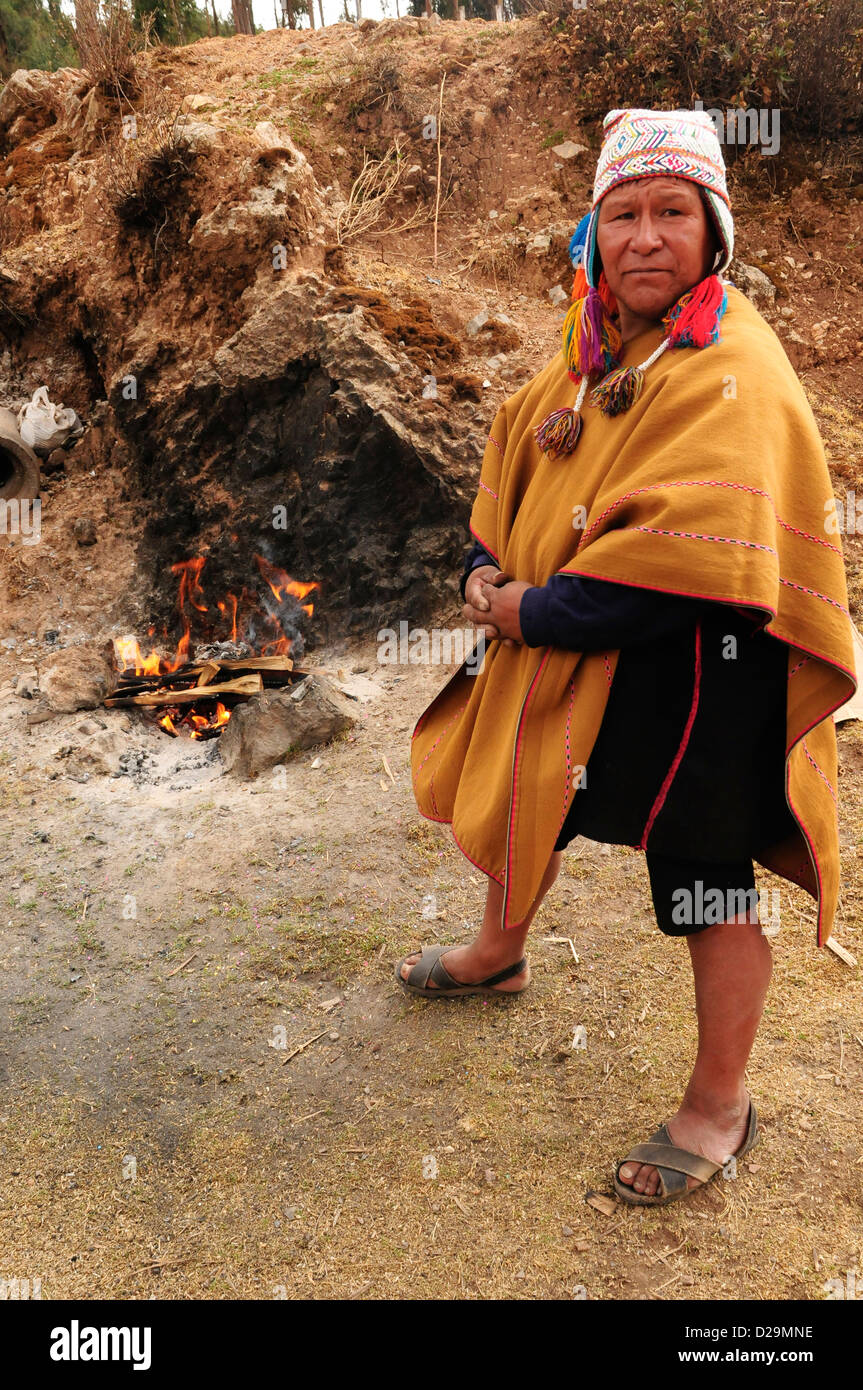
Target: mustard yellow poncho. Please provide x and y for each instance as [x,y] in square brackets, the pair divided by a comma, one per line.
[713,484]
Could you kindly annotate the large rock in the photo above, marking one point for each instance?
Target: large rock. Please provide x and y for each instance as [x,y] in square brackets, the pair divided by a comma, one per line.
[30,101]
[278,201]
[318,412]
[265,730]
[91,120]
[569,150]
[79,677]
[752,282]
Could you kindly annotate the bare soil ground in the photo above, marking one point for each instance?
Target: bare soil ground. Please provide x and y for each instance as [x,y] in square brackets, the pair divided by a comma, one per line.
[197,974]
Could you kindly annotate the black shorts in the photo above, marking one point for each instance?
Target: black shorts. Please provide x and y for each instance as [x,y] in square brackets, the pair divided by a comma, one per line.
[690,895]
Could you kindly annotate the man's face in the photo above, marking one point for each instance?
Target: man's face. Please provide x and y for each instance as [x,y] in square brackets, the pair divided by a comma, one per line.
[656,241]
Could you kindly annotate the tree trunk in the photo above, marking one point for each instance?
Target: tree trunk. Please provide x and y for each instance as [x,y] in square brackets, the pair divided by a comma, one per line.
[215,18]
[178,28]
[242,11]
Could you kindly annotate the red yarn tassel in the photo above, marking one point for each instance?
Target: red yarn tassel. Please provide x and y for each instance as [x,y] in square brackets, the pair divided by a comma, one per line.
[694,319]
[605,294]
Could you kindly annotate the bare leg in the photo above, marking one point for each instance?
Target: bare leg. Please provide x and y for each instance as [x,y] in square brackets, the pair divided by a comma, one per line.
[732,964]
[494,949]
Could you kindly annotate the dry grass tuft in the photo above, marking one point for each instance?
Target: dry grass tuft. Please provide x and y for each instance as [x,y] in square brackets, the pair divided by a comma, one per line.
[370,192]
[107,40]
[146,177]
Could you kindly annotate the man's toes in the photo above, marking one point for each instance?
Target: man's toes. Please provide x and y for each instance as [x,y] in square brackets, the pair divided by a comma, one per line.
[628,1172]
[646,1180]
[651,1185]
[639,1182]
[409,963]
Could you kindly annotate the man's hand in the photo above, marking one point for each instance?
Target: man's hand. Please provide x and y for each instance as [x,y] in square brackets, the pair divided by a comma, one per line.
[476,606]
[486,607]
[504,601]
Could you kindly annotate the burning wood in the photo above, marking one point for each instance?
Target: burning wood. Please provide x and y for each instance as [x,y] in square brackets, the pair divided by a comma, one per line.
[275,670]
[243,685]
[187,689]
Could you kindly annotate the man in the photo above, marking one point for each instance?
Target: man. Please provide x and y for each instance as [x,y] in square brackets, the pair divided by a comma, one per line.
[668,627]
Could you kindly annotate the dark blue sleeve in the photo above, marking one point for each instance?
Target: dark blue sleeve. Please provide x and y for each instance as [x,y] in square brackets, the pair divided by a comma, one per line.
[584,615]
[475,556]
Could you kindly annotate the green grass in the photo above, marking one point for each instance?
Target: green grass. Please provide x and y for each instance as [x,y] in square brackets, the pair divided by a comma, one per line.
[87,939]
[30,1011]
[277,77]
[301,133]
[313,947]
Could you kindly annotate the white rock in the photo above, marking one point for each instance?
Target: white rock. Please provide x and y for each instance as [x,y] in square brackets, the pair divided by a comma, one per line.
[539,245]
[478,321]
[752,281]
[568,150]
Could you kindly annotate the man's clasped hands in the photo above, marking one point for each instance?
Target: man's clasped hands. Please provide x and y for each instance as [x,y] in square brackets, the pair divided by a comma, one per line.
[492,603]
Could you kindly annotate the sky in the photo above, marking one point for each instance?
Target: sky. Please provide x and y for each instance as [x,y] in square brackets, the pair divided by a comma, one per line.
[264,12]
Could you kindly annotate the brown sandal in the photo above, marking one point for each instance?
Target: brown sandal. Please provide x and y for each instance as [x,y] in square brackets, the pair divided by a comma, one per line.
[673,1164]
[431,967]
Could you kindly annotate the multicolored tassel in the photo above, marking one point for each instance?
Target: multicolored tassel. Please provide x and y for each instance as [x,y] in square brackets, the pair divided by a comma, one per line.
[592,343]
[694,320]
[580,287]
[605,294]
[618,391]
[558,433]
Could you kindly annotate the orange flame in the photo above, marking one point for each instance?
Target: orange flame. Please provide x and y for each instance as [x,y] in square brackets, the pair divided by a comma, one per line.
[237,613]
[281,584]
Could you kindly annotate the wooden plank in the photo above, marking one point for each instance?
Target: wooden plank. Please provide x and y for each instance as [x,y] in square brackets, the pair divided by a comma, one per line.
[193,669]
[243,685]
[841,951]
[258,663]
[208,675]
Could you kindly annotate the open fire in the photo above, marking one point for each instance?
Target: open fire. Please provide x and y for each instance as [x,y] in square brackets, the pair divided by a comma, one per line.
[243,644]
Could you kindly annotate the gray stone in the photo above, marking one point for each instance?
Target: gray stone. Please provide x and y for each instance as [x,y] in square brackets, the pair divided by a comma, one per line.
[202,137]
[264,730]
[90,120]
[197,101]
[539,245]
[752,281]
[275,201]
[27,683]
[79,677]
[473,326]
[569,150]
[30,101]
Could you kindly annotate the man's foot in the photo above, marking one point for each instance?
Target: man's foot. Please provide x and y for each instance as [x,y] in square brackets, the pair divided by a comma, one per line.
[468,966]
[714,1136]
